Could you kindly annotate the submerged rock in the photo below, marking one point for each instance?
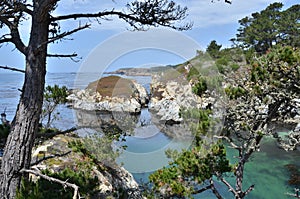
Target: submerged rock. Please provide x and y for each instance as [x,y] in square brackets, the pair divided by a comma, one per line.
[112,94]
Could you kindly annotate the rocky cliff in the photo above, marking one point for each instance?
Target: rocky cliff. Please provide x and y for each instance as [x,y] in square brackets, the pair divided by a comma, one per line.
[112,180]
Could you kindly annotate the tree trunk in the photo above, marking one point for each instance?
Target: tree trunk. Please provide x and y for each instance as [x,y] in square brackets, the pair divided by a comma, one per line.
[239,179]
[17,152]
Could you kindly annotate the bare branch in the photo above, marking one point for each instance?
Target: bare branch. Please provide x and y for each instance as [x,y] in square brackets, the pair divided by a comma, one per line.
[214,190]
[202,189]
[64,34]
[50,157]
[5,40]
[230,188]
[15,35]
[36,172]
[12,69]
[73,56]
[148,13]
[249,190]
[62,56]
[228,140]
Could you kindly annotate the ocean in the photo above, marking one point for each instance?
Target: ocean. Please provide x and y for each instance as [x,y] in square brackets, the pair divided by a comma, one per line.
[266,169]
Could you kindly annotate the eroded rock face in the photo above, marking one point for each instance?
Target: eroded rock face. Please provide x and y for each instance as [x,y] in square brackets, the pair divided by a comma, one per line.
[111,178]
[168,97]
[112,94]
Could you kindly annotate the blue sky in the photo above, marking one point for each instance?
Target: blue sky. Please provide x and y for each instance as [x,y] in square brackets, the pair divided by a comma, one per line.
[212,21]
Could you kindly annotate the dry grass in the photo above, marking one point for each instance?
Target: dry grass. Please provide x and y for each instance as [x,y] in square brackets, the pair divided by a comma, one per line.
[113,86]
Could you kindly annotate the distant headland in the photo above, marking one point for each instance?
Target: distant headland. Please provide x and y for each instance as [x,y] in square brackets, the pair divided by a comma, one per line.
[139,71]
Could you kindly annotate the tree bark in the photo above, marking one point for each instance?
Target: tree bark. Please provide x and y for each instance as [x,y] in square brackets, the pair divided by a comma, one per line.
[17,152]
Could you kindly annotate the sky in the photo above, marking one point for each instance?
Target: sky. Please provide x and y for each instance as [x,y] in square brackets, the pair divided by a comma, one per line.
[111,44]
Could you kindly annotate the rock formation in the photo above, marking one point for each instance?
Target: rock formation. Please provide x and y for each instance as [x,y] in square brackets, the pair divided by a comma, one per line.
[111,179]
[169,96]
[112,94]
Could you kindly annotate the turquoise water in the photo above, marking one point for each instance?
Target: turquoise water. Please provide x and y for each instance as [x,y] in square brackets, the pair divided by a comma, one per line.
[145,152]
[265,169]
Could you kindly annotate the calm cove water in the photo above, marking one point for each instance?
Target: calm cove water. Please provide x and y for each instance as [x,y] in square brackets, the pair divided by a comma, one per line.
[145,152]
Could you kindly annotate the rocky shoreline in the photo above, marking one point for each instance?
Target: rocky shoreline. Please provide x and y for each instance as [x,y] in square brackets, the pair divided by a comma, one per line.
[166,99]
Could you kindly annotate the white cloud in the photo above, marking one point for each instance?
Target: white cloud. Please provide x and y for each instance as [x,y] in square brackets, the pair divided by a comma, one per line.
[202,13]
[205,13]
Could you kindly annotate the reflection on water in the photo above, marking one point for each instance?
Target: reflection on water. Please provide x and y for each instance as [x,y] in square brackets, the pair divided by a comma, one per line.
[146,143]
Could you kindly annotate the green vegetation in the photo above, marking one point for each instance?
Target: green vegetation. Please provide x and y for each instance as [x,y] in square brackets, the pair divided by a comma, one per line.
[43,189]
[262,75]
[200,87]
[4,131]
[191,168]
[263,30]
[53,96]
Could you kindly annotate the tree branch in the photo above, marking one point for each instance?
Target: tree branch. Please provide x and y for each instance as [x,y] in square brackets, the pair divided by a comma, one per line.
[5,40]
[62,56]
[15,35]
[12,69]
[230,188]
[62,35]
[249,190]
[36,172]
[50,157]
[228,140]
[214,190]
[167,13]
[202,189]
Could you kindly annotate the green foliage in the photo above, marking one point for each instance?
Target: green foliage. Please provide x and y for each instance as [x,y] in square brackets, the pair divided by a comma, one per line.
[193,73]
[222,63]
[190,168]
[43,189]
[53,96]
[213,49]
[262,30]
[278,69]
[234,66]
[195,165]
[4,131]
[234,92]
[200,87]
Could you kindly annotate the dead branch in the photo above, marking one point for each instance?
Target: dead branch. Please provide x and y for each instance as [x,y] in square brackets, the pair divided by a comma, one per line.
[62,55]
[50,157]
[12,69]
[15,35]
[214,190]
[228,140]
[51,135]
[249,190]
[130,18]
[65,184]
[230,188]
[5,40]
[73,56]
[64,34]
